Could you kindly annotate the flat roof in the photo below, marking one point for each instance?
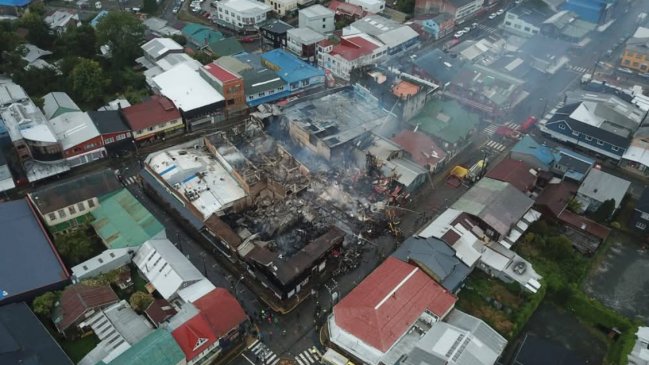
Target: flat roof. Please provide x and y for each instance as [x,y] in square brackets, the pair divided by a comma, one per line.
[28,259]
[290,68]
[186,88]
[316,10]
[244,6]
[73,128]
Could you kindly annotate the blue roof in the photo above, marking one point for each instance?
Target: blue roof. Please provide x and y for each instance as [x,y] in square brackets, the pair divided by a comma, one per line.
[95,20]
[15,2]
[201,35]
[290,68]
[527,145]
[28,260]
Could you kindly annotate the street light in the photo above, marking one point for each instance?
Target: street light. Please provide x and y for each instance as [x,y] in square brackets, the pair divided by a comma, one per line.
[236,285]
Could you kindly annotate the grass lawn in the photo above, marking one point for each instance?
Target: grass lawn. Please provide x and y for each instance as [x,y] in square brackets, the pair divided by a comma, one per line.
[77,349]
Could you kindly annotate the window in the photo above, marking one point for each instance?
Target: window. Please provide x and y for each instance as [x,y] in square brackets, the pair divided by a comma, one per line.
[112,254]
[120,137]
[150,129]
[91,203]
[508,23]
[261,94]
[589,138]
[527,29]
[324,26]
[72,210]
[101,261]
[600,142]
[51,216]
[640,225]
[109,140]
[615,148]
[61,213]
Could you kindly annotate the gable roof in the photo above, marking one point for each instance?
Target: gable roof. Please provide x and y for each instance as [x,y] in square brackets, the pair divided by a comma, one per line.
[159,47]
[158,348]
[221,310]
[108,121]
[149,113]
[517,173]
[53,197]
[555,197]
[28,260]
[77,299]
[225,47]
[24,339]
[288,67]
[421,148]
[601,186]
[200,35]
[388,301]
[353,47]
[446,120]
[529,146]
[57,103]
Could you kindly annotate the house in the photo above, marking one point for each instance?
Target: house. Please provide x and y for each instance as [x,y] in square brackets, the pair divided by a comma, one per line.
[158,48]
[57,103]
[93,23]
[169,271]
[346,11]
[526,19]
[548,55]
[601,123]
[227,83]
[521,175]
[352,51]
[121,221]
[29,262]
[303,42]
[297,74]
[159,312]
[422,149]
[594,11]
[106,261]
[115,134]
[60,20]
[200,35]
[439,25]
[225,47]
[118,328]
[636,51]
[24,339]
[273,34]
[153,118]
[461,10]
[282,7]
[198,102]
[79,302]
[571,165]
[159,27]
[6,178]
[34,57]
[159,347]
[437,259]
[640,218]
[78,137]
[598,187]
[477,343]
[533,153]
[640,354]
[396,36]
[67,205]
[369,322]
[567,25]
[217,327]
[241,15]
[636,157]
[370,6]
[535,350]
[317,18]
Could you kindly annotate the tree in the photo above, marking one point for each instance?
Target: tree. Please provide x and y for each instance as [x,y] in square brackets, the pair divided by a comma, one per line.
[140,300]
[203,57]
[124,34]
[574,205]
[604,212]
[88,81]
[39,33]
[74,247]
[180,39]
[149,6]
[44,304]
[38,81]
[77,41]
[406,6]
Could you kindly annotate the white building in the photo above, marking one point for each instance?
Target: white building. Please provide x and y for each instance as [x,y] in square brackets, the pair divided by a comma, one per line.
[282,7]
[525,21]
[640,353]
[106,261]
[317,18]
[396,36]
[352,51]
[303,42]
[60,20]
[241,14]
[371,6]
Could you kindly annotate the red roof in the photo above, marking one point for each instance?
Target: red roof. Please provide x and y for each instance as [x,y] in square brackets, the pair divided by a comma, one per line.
[220,73]
[354,47]
[384,305]
[422,149]
[158,109]
[159,311]
[341,8]
[220,313]
[79,298]
[555,197]
[584,224]
[514,172]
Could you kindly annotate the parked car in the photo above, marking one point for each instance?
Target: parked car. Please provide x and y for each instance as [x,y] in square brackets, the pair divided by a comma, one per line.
[474,25]
[466,29]
[500,12]
[247,39]
[493,16]
[458,34]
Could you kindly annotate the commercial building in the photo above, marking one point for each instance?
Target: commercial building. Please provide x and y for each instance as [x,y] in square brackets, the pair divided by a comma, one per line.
[317,18]
[352,51]
[153,119]
[461,10]
[227,83]
[282,7]
[303,42]
[422,149]
[78,137]
[547,55]
[396,36]
[273,34]
[297,74]
[438,25]
[369,6]
[241,15]
[594,11]
[57,103]
[636,51]
[567,25]
[526,19]
[116,135]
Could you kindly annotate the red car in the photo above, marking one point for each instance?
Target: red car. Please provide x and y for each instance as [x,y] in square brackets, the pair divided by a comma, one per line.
[528,124]
[247,39]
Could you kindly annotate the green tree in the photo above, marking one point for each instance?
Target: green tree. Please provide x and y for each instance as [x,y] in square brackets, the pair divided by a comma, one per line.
[74,247]
[149,6]
[406,6]
[574,205]
[180,39]
[77,41]
[140,300]
[604,212]
[203,57]
[88,81]
[44,304]
[123,33]
[39,33]
[38,81]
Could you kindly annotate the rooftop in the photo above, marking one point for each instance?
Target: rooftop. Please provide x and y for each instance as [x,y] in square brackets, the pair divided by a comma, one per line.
[200,35]
[439,65]
[601,186]
[158,348]
[225,47]
[122,221]
[304,35]
[316,10]
[57,103]
[73,128]
[247,6]
[497,87]
[529,146]
[159,47]
[149,113]
[28,260]
[555,197]
[355,46]
[532,12]
[446,120]
[389,32]
[276,26]
[290,68]
[77,299]
[348,9]
[109,121]
[58,195]
[535,350]
[521,175]
[421,148]
[186,88]
[220,73]
[159,311]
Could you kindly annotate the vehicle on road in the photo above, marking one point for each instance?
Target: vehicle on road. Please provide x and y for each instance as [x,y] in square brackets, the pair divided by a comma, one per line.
[466,29]
[247,39]
[458,34]
[528,124]
[474,25]
[500,12]
[493,16]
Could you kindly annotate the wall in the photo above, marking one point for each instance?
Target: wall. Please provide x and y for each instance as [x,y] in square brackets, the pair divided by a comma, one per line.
[519,26]
[228,16]
[640,221]
[281,7]
[70,212]
[320,24]
[142,134]
[635,60]
[563,132]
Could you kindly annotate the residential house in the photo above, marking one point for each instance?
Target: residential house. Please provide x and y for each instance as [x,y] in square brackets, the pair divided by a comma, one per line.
[346,11]
[282,7]
[303,42]
[534,349]
[297,74]
[115,134]
[273,34]
[159,27]
[29,262]
[153,118]
[200,35]
[598,187]
[352,51]
[6,178]
[636,157]
[636,51]
[225,47]
[227,83]
[78,137]
[25,340]
[568,26]
[461,10]
[422,149]
[439,25]
[241,15]
[370,6]
[526,19]
[106,261]
[594,11]
[547,55]
[198,102]
[121,221]
[571,165]
[60,20]
[640,353]
[57,103]
[640,218]
[158,48]
[363,326]
[396,36]
[93,23]
[159,312]
[317,18]
[533,153]
[66,205]
[519,174]
[437,259]
[601,123]
[77,304]
[159,347]
[35,57]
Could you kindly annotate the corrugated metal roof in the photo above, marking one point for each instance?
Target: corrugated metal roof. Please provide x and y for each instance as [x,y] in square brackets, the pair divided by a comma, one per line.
[158,348]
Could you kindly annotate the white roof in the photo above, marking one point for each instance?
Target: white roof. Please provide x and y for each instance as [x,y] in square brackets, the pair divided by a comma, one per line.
[494,259]
[74,128]
[637,152]
[34,53]
[304,35]
[468,248]
[93,265]
[11,93]
[6,180]
[601,186]
[196,291]
[169,61]
[165,267]
[440,225]
[246,6]
[55,100]
[396,37]
[60,18]
[316,11]
[186,88]
[641,32]
[159,46]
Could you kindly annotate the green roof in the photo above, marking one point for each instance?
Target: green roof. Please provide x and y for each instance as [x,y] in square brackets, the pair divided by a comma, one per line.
[200,35]
[225,47]
[446,120]
[158,348]
[121,221]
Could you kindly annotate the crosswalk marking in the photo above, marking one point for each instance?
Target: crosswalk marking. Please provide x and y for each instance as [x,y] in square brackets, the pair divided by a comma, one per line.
[487,29]
[308,357]
[258,348]
[496,146]
[578,69]
[129,180]
[490,130]
[512,125]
